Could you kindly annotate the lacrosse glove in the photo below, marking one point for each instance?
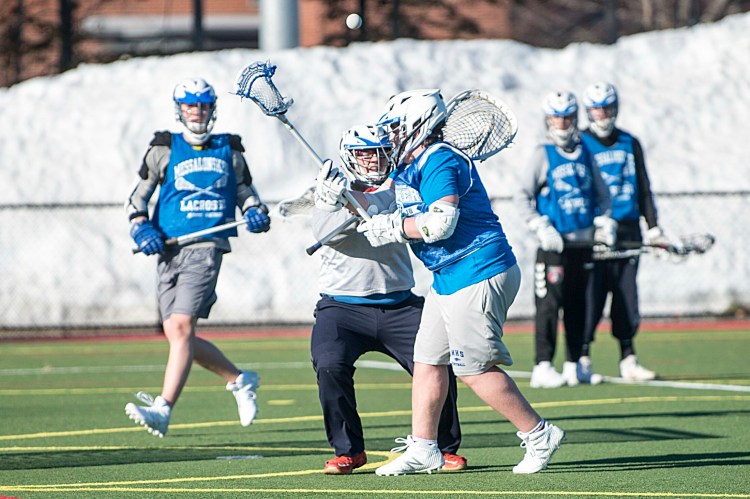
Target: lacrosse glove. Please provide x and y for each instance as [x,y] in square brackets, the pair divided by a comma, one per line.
[655,236]
[384,229]
[148,238]
[257,219]
[605,230]
[549,238]
[330,187]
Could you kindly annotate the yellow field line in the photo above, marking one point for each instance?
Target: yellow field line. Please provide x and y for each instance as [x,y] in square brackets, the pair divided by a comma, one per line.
[382,414]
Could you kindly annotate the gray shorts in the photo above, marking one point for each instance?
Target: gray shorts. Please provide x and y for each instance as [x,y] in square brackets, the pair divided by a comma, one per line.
[465,329]
[187,281]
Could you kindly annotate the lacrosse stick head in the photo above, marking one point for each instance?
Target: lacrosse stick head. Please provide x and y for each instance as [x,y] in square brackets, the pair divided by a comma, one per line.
[479,124]
[255,83]
[301,206]
[413,116]
[365,152]
[561,117]
[195,108]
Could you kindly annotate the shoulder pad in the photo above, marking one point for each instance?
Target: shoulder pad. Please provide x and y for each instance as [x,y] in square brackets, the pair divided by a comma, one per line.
[235,143]
[162,138]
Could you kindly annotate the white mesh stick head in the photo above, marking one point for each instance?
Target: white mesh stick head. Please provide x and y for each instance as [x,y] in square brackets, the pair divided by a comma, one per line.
[255,83]
[479,124]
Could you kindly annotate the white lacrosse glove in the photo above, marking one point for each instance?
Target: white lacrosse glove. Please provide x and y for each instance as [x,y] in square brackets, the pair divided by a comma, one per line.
[384,229]
[549,238]
[605,230]
[655,236]
[330,187]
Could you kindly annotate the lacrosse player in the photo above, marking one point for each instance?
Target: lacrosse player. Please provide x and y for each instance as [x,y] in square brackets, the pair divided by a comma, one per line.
[560,194]
[444,213]
[202,178]
[366,305]
[621,162]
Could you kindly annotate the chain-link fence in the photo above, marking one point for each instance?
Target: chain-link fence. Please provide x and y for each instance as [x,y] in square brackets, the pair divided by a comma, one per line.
[72,266]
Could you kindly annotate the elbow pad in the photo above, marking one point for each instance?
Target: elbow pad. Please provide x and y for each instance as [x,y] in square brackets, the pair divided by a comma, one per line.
[438,222]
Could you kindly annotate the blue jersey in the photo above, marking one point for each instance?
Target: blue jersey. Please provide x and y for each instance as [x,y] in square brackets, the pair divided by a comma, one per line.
[617,166]
[569,197]
[478,248]
[199,190]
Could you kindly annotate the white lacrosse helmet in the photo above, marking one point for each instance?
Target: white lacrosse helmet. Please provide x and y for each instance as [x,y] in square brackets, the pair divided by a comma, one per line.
[601,95]
[365,151]
[413,116]
[561,104]
[195,92]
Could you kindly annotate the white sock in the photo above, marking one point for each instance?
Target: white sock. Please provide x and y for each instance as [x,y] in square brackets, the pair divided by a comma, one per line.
[539,427]
[424,442]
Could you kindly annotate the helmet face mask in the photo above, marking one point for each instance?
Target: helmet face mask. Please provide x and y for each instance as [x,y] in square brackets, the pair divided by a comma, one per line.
[413,116]
[365,152]
[195,108]
[561,118]
[601,102]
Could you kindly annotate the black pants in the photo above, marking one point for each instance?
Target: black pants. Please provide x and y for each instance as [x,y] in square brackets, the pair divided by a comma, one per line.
[560,281]
[341,334]
[619,278]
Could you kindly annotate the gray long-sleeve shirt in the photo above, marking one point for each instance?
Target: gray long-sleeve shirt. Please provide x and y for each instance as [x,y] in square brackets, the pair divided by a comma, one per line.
[350,266]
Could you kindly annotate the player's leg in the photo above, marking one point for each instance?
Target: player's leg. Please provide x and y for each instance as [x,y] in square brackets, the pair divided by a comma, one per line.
[397,332]
[340,335]
[480,309]
[548,278]
[626,320]
[578,268]
[429,392]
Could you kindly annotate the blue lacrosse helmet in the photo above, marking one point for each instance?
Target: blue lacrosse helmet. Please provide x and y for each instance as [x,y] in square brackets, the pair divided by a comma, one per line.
[561,104]
[601,96]
[195,108]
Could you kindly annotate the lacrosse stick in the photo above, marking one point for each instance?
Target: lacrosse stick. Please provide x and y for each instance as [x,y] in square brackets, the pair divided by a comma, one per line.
[477,123]
[194,235]
[302,206]
[687,245]
[255,83]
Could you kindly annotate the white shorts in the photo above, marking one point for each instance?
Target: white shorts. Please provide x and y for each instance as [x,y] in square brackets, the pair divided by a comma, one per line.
[465,329]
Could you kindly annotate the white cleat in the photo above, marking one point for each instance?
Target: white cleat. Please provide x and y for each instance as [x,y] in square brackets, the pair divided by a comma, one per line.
[417,458]
[570,373]
[540,447]
[544,376]
[243,389]
[154,415]
[631,370]
[585,372]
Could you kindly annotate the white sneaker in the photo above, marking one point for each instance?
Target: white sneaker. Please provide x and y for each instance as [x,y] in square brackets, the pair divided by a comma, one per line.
[585,372]
[243,389]
[154,416]
[540,447]
[544,376]
[630,369]
[417,458]
[570,373]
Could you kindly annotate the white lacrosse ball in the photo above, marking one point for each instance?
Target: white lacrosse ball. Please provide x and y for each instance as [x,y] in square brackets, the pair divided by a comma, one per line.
[353,21]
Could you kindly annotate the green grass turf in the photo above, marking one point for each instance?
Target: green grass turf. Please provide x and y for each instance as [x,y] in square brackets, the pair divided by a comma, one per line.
[64,433]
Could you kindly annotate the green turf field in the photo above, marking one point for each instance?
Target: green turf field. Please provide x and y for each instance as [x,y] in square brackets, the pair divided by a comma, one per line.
[64,433]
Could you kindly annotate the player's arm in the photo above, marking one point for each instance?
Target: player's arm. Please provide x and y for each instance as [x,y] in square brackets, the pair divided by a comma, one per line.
[531,179]
[150,175]
[646,203]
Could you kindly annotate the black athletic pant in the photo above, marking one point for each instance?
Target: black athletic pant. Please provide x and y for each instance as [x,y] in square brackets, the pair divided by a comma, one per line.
[619,278]
[341,334]
[560,281]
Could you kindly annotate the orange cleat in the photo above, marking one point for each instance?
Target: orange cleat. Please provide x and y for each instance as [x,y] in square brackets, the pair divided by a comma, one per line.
[344,465]
[454,462]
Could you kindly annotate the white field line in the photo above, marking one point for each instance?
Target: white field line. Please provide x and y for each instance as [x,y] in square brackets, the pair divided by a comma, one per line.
[372,364]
